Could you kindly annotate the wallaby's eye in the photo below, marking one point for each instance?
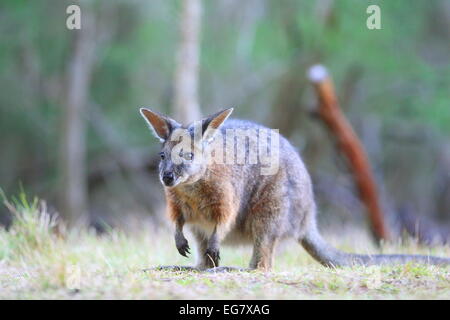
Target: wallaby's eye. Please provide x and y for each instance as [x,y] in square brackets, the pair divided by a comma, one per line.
[162,155]
[188,156]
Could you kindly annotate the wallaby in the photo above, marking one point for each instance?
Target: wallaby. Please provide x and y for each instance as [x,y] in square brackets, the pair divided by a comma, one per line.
[235,203]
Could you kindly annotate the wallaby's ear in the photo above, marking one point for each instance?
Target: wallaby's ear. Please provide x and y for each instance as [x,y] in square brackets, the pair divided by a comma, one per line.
[160,125]
[213,122]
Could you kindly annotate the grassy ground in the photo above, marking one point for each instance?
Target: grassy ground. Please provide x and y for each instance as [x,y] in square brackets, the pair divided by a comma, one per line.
[37,263]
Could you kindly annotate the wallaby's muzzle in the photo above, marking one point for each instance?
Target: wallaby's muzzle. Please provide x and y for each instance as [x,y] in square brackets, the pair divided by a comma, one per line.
[168,179]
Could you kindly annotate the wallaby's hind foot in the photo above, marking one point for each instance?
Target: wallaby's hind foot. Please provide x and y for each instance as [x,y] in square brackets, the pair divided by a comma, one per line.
[263,249]
[207,250]
[265,237]
[212,249]
[213,255]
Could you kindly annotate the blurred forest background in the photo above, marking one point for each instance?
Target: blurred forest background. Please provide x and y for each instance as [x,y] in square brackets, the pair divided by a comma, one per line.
[70,131]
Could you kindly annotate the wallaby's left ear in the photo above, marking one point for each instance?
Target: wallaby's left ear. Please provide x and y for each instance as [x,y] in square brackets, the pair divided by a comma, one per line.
[213,122]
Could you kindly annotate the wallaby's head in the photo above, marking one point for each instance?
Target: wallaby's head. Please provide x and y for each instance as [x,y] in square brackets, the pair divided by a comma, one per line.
[184,148]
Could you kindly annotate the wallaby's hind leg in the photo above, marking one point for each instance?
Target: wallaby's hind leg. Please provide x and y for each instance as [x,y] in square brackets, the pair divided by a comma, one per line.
[207,250]
[212,252]
[263,249]
[266,232]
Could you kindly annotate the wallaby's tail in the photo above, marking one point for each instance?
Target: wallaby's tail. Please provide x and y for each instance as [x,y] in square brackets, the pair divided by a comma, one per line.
[324,253]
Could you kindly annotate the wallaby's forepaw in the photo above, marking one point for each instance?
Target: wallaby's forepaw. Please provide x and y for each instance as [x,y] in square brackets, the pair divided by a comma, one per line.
[183,247]
[213,256]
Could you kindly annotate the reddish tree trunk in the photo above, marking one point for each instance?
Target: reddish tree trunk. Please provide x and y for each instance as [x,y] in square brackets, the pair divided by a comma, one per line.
[331,114]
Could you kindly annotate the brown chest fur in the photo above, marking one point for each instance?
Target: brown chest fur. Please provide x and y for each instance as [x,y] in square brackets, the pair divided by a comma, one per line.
[210,200]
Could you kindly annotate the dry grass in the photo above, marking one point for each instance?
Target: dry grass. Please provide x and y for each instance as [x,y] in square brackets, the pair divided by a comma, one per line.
[35,263]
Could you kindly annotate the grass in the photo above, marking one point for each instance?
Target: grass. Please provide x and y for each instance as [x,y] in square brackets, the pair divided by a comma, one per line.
[38,261]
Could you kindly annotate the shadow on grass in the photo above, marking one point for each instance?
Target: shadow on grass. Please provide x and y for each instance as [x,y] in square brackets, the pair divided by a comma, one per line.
[194,269]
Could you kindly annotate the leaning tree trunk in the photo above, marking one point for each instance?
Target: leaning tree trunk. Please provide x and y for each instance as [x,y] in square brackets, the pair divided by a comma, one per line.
[72,162]
[349,144]
[186,105]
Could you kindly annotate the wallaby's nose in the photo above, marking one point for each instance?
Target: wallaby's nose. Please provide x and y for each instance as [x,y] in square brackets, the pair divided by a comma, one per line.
[168,178]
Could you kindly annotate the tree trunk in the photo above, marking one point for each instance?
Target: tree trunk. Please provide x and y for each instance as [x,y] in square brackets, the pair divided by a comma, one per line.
[349,144]
[186,106]
[72,162]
